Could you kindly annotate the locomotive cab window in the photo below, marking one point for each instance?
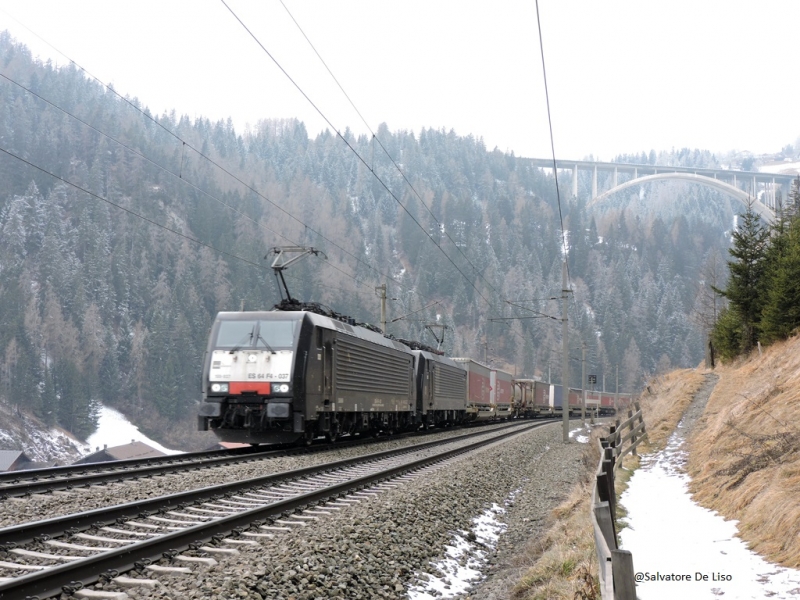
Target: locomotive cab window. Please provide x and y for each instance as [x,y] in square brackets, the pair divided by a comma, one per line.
[256,334]
[276,334]
[236,333]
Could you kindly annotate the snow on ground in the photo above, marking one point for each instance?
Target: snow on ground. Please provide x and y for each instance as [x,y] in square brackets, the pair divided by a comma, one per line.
[465,559]
[581,434]
[113,429]
[20,431]
[686,550]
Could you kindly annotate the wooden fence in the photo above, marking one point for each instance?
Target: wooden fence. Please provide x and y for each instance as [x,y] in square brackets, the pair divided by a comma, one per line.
[615,565]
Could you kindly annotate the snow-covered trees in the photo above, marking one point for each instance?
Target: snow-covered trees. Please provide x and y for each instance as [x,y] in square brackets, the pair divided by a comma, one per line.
[97,305]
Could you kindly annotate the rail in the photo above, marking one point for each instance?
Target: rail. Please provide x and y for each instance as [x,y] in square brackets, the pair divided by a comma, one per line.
[615,565]
[38,481]
[232,519]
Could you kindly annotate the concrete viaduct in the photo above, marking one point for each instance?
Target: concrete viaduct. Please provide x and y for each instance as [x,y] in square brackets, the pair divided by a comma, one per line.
[739,184]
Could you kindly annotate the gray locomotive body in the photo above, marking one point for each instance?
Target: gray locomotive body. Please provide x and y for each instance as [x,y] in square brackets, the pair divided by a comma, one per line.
[441,389]
[284,376]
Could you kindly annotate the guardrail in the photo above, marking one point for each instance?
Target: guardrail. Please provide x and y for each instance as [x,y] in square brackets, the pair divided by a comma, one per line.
[615,565]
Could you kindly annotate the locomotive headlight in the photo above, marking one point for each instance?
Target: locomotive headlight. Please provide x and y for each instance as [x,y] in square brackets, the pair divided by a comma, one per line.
[219,388]
[282,388]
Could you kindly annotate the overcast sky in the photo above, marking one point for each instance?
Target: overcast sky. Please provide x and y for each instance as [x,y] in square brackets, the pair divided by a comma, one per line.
[624,76]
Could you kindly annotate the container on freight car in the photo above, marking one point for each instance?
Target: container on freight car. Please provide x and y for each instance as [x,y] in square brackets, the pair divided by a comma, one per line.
[556,397]
[609,402]
[524,405]
[592,402]
[502,393]
[479,384]
[575,401]
[543,398]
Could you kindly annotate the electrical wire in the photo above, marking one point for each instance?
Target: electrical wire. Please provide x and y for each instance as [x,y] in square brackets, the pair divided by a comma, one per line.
[352,149]
[166,170]
[186,144]
[134,213]
[391,158]
[224,170]
[552,144]
[251,263]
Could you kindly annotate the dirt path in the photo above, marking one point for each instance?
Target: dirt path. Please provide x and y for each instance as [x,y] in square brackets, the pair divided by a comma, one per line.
[698,406]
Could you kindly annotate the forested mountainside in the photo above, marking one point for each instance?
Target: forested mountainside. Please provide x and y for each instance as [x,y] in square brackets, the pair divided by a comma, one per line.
[99,305]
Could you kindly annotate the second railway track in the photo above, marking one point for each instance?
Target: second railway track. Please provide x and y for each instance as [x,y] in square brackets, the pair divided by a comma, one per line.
[130,535]
[39,481]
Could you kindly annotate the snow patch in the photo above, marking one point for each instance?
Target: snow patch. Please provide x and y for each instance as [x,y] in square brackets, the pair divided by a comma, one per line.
[660,509]
[42,444]
[113,429]
[781,168]
[464,558]
[581,434]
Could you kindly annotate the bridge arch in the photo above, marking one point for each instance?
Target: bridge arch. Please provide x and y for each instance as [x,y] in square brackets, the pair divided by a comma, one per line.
[740,195]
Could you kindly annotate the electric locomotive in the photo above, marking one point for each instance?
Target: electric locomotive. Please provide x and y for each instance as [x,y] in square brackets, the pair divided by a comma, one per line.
[286,376]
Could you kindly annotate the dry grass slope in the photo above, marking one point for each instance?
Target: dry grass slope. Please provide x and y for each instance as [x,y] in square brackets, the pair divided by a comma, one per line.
[744,461]
[663,403]
[745,452]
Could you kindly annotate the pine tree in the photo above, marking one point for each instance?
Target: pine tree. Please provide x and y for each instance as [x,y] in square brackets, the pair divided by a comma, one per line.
[781,313]
[727,333]
[745,289]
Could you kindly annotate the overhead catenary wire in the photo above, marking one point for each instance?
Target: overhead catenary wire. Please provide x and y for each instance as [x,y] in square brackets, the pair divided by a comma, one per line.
[552,143]
[352,149]
[166,170]
[180,175]
[376,139]
[191,239]
[397,167]
[153,222]
[185,144]
[133,212]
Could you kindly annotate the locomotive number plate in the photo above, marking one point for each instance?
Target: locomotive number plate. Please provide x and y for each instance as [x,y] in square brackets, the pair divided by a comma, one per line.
[250,365]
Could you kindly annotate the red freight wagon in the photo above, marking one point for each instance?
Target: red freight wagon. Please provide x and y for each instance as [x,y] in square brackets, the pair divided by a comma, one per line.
[479,384]
[607,403]
[592,401]
[502,393]
[576,401]
[545,397]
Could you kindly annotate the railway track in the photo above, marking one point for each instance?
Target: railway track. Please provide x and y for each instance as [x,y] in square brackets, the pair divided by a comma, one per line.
[44,558]
[39,481]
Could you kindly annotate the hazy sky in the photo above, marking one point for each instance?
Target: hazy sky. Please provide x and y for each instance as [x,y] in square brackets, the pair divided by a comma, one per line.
[624,76]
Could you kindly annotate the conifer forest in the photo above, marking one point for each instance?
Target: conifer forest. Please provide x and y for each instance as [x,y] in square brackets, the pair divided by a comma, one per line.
[123,233]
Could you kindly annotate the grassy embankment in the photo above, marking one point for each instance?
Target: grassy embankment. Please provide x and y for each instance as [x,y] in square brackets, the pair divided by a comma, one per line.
[744,461]
[562,563]
[745,452]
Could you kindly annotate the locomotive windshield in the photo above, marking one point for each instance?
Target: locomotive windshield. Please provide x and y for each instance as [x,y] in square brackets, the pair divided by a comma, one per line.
[256,334]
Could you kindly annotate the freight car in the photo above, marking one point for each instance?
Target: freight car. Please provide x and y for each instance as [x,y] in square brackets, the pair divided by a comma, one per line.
[524,407]
[534,398]
[490,391]
[478,401]
[608,405]
[502,393]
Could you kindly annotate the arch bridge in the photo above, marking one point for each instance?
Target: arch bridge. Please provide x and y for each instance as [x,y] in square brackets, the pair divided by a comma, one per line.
[763,187]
